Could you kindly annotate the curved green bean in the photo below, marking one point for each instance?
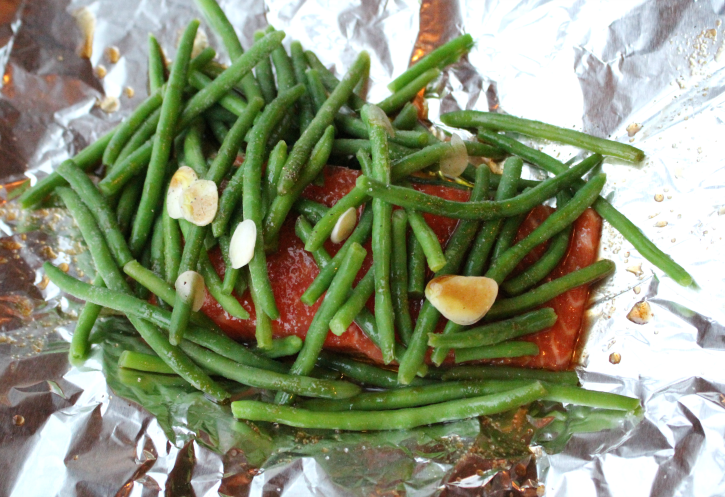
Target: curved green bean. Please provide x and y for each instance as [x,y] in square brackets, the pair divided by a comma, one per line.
[323,228]
[504,122]
[324,118]
[282,347]
[312,210]
[389,420]
[405,197]
[156,66]
[402,398]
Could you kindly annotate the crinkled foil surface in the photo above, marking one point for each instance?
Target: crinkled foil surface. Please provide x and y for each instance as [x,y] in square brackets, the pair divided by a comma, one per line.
[592,65]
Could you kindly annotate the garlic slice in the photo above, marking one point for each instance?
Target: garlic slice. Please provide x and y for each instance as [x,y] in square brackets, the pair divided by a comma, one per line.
[199,202]
[180,181]
[344,226]
[241,246]
[376,116]
[456,160]
[190,286]
[462,299]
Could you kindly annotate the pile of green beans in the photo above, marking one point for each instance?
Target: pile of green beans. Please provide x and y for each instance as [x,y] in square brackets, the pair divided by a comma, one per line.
[284,114]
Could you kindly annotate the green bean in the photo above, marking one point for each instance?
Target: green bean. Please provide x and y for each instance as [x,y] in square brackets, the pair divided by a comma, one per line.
[125,130]
[381,234]
[143,362]
[503,122]
[214,285]
[491,334]
[215,16]
[165,132]
[605,209]
[100,210]
[556,251]
[219,129]
[248,177]
[405,197]
[282,347]
[258,378]
[158,262]
[602,400]
[507,234]
[497,351]
[330,81]
[172,247]
[263,324]
[108,269]
[407,117]
[323,279]
[558,221]
[477,149]
[348,312]
[321,232]
[484,241]
[399,277]
[193,244]
[510,307]
[282,204]
[312,210]
[402,398]
[140,137]
[80,345]
[406,93]
[128,203]
[351,146]
[399,419]
[156,66]
[324,118]
[231,275]
[440,57]
[265,76]
[202,59]
[125,171]
[416,268]
[85,159]
[428,240]
[509,373]
[354,127]
[363,372]
[230,101]
[299,64]
[317,331]
[316,88]
[275,163]
[228,78]
[365,161]
[194,149]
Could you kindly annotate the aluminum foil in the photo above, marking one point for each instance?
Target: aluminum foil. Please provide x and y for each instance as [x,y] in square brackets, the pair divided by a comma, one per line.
[603,67]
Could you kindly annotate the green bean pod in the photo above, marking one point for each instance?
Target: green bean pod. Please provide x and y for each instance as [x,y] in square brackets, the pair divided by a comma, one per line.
[348,312]
[324,118]
[399,419]
[156,65]
[497,351]
[416,268]
[265,76]
[407,117]
[351,146]
[399,277]
[330,80]
[126,129]
[428,240]
[282,347]
[126,171]
[80,345]
[406,93]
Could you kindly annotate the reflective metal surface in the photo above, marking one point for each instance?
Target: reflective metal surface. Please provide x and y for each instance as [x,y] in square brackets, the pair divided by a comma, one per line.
[592,65]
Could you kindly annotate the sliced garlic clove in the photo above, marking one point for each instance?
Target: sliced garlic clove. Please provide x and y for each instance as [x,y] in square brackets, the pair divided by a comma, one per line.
[344,226]
[376,116]
[180,181]
[456,160]
[462,299]
[199,202]
[241,246]
[190,286]
[641,313]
